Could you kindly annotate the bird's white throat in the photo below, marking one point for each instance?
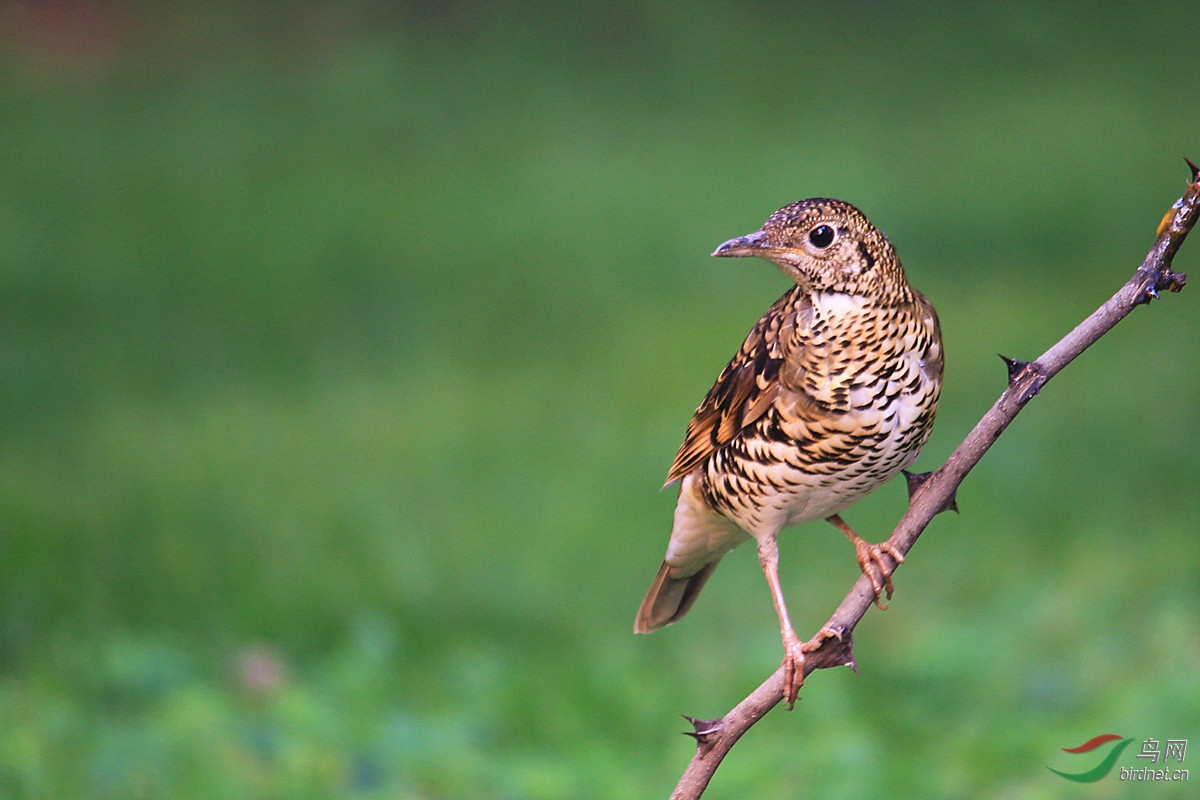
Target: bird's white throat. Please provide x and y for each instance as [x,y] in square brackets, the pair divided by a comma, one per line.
[836,304]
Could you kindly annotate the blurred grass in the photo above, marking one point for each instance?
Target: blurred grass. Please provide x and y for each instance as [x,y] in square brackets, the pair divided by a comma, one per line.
[343,350]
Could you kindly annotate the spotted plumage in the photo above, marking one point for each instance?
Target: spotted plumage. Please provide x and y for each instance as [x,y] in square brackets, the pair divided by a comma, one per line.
[831,395]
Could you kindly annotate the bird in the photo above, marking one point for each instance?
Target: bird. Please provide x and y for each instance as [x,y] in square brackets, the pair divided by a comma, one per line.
[832,394]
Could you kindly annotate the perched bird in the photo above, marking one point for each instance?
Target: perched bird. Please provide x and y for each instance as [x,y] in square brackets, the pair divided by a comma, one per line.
[831,395]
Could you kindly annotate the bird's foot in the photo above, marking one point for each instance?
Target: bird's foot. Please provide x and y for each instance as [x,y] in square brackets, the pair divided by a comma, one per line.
[793,668]
[871,562]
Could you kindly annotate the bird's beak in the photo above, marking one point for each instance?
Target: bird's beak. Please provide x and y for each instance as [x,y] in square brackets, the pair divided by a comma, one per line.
[755,244]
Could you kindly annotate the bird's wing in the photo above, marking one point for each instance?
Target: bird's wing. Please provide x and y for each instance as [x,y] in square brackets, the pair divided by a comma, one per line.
[748,385]
[933,360]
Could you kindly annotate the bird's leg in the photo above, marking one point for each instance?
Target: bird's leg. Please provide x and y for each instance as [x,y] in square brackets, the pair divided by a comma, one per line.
[793,648]
[870,559]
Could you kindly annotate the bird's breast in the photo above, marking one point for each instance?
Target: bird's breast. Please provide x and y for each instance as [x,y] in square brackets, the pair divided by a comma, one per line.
[859,412]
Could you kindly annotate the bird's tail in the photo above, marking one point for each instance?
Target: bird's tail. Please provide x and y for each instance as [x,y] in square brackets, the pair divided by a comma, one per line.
[670,598]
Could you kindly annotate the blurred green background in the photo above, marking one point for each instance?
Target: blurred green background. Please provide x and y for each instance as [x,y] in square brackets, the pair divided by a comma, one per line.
[344,348]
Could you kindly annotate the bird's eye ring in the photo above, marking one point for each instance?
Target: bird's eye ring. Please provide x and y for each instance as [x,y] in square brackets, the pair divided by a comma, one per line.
[821,236]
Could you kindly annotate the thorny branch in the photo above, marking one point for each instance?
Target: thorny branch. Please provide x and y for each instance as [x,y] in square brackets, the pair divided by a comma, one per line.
[933,492]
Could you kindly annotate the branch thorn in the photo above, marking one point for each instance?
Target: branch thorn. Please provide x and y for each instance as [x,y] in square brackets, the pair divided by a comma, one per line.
[835,648]
[1014,366]
[916,480]
[1018,370]
[705,728]
[1173,281]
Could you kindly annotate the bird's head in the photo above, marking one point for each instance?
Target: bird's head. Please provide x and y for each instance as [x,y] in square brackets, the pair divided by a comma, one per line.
[824,245]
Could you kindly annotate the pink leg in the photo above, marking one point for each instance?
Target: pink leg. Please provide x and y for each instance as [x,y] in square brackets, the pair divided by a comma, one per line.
[793,651]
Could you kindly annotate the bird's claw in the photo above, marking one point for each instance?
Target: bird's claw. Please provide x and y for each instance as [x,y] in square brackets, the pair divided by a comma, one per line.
[825,633]
[878,571]
[793,669]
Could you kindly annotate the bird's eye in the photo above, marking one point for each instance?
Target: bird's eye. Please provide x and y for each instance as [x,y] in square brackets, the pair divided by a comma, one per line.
[821,236]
